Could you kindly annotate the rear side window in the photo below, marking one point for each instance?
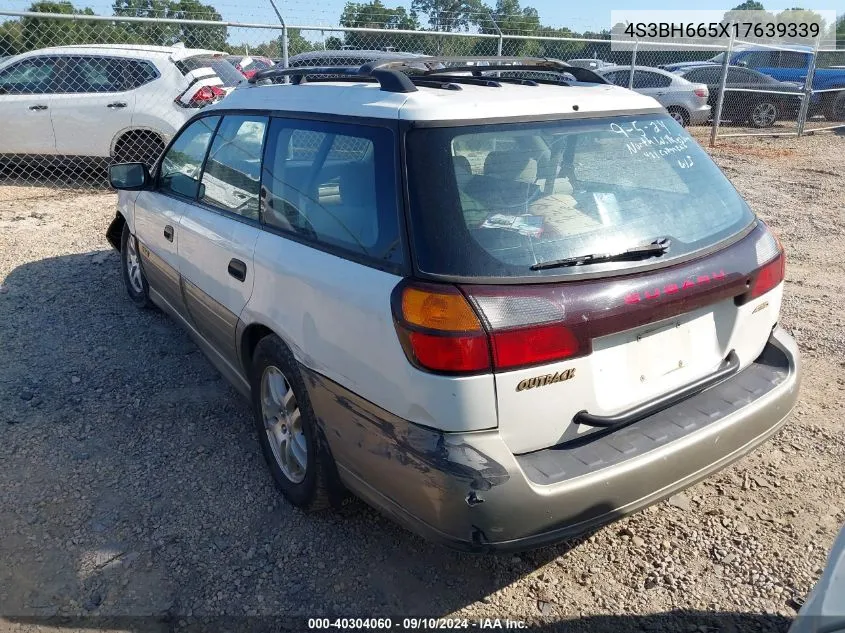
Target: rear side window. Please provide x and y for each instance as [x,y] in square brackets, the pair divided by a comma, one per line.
[333,184]
[790,59]
[646,79]
[233,168]
[32,76]
[139,73]
[182,163]
[493,200]
[220,65]
[761,59]
[618,77]
[91,74]
[705,75]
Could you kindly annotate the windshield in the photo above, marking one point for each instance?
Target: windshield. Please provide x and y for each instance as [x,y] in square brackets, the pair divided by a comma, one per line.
[222,67]
[494,200]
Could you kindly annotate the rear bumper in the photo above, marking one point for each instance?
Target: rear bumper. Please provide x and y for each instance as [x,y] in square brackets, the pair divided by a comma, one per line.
[700,115]
[469,491]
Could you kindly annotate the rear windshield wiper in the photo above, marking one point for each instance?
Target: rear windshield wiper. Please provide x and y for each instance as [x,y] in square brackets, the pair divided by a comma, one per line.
[657,247]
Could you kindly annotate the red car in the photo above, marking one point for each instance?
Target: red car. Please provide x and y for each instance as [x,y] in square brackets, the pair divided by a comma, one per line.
[249,65]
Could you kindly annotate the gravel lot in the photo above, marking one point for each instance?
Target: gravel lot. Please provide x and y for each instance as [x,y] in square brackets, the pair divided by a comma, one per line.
[132,483]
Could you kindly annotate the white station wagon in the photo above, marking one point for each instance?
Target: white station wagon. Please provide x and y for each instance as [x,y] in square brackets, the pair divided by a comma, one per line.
[501,311]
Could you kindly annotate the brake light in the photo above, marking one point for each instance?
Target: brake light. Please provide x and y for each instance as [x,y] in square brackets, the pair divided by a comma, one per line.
[701,91]
[203,96]
[772,271]
[441,331]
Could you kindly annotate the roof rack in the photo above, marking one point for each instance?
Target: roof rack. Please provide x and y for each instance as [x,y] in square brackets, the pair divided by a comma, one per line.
[401,74]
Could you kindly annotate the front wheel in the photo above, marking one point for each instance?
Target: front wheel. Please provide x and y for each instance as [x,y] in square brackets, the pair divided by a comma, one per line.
[133,275]
[834,109]
[293,446]
[763,114]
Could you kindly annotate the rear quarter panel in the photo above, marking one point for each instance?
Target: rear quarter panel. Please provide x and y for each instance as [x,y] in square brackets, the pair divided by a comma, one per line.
[335,315]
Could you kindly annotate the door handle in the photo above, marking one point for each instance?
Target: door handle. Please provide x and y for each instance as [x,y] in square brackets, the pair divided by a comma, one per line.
[38,107]
[168,233]
[237,269]
[116,104]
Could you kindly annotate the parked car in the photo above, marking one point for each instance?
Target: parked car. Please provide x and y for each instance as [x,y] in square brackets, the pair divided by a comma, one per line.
[743,103]
[591,64]
[685,101]
[501,313]
[122,101]
[790,66]
[248,65]
[824,610]
[348,57]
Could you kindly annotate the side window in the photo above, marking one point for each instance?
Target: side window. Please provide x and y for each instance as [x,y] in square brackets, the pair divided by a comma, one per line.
[705,75]
[233,168]
[760,59]
[32,76]
[182,164]
[139,73]
[91,74]
[792,59]
[618,77]
[333,184]
[646,79]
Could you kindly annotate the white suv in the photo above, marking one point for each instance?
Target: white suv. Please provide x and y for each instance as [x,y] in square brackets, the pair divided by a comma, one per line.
[501,311]
[108,100]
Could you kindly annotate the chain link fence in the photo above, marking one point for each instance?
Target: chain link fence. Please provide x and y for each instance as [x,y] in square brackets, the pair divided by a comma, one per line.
[90,90]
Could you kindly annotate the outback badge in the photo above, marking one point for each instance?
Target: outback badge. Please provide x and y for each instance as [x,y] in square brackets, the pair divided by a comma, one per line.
[543,381]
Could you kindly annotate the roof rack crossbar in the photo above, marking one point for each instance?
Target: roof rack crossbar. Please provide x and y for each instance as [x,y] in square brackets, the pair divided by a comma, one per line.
[390,80]
[489,82]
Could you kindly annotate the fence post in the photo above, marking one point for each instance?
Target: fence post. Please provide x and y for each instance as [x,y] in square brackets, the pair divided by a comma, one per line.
[284,36]
[499,31]
[633,64]
[720,102]
[808,89]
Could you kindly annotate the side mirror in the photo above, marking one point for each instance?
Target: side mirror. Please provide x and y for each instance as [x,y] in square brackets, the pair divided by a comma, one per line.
[129,176]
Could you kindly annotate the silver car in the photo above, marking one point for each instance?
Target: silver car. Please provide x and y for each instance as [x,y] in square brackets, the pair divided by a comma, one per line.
[684,100]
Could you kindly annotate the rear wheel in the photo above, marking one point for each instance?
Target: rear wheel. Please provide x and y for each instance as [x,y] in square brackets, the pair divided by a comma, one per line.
[138,147]
[293,446]
[679,114]
[763,114]
[834,109]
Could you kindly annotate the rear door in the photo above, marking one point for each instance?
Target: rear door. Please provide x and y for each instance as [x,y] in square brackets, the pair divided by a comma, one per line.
[159,210]
[91,105]
[218,233]
[659,87]
[25,106]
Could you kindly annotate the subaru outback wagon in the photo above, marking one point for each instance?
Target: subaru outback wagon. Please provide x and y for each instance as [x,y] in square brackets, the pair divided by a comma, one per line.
[500,310]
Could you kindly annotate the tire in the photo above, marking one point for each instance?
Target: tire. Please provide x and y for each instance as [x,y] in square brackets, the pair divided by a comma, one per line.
[138,147]
[133,275]
[763,114]
[834,107]
[679,114]
[291,433]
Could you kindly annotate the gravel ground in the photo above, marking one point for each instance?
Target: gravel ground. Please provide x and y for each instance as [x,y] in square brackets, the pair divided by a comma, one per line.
[132,482]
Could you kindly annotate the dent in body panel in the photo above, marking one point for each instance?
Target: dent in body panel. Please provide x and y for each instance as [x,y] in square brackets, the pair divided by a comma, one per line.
[426,471]
[212,319]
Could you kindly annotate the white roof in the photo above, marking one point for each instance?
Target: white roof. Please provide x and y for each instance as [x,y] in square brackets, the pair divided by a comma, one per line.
[124,50]
[434,104]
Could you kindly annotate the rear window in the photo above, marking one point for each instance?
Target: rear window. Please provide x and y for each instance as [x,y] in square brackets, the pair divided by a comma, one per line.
[493,200]
[220,65]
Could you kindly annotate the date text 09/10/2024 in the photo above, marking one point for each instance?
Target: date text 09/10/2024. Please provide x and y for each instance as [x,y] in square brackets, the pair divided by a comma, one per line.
[415,624]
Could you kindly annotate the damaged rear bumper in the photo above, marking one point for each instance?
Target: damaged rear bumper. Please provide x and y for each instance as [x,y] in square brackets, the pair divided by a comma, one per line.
[468,491]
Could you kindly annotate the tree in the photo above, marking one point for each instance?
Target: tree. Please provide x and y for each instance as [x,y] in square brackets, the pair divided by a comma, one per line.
[511,19]
[840,32]
[191,35]
[749,5]
[374,15]
[10,38]
[450,15]
[41,33]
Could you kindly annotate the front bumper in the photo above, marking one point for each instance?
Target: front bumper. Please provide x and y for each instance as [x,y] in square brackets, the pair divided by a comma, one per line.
[467,490]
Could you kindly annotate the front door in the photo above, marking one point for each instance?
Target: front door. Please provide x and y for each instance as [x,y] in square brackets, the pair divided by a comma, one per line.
[218,234]
[25,102]
[159,211]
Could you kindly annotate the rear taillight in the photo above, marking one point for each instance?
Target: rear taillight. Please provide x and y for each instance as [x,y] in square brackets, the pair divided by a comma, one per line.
[441,331]
[701,91]
[202,97]
[772,260]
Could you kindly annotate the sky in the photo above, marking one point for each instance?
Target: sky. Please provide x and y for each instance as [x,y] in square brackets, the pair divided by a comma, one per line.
[592,15]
